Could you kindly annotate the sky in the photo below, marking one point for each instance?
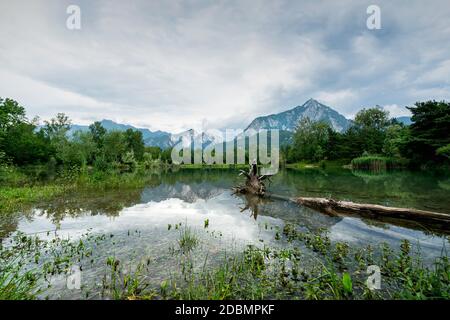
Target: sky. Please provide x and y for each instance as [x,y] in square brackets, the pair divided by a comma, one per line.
[174,65]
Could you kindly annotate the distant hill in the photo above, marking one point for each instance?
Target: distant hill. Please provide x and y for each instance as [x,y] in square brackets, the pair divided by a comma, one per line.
[158,138]
[288,120]
[405,120]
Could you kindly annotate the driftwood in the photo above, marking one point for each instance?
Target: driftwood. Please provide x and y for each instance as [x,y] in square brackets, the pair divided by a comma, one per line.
[332,207]
[254,185]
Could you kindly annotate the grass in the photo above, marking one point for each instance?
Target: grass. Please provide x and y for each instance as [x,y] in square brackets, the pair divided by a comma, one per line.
[188,240]
[377,163]
[17,198]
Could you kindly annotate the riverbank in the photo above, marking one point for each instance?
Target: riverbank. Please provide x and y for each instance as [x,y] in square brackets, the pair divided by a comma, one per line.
[19,190]
[332,164]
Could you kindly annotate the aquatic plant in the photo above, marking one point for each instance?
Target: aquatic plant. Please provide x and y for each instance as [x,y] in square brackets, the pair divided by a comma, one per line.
[188,240]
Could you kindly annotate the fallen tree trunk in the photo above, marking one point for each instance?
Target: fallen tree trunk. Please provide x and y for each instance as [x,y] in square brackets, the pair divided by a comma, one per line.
[255,185]
[332,207]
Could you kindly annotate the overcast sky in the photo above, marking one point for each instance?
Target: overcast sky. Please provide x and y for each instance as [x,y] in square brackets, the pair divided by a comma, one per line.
[174,65]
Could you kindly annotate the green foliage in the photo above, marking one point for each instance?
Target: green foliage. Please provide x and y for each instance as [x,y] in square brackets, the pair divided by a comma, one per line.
[97,133]
[11,114]
[25,146]
[166,155]
[373,118]
[393,144]
[315,141]
[134,143]
[22,143]
[153,152]
[310,141]
[129,160]
[57,127]
[429,132]
[444,151]
[396,138]
[347,283]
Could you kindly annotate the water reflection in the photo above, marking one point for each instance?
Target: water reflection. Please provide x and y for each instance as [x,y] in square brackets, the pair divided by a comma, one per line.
[193,196]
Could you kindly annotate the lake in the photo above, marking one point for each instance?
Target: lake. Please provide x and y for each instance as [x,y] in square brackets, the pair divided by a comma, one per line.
[145,223]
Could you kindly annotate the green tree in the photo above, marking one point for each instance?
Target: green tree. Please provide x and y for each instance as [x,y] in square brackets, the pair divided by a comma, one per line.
[155,152]
[370,129]
[135,143]
[57,127]
[19,140]
[310,141]
[114,145]
[55,131]
[444,151]
[98,133]
[26,146]
[428,132]
[166,155]
[11,114]
[396,137]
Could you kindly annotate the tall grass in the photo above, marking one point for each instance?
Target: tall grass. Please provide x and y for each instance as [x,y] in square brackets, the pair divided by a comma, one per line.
[17,198]
[377,163]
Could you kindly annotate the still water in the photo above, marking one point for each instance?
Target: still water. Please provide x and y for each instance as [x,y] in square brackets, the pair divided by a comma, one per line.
[139,219]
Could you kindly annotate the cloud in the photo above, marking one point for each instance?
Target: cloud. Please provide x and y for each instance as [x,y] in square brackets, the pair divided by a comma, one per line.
[172,64]
[396,110]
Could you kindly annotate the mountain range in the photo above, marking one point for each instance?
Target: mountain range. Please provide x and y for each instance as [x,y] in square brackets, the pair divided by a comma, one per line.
[285,121]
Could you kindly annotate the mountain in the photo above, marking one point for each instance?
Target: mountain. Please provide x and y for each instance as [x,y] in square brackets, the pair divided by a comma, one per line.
[288,120]
[203,138]
[405,120]
[158,138]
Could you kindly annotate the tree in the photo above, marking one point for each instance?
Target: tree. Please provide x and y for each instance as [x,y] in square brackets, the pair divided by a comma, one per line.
[114,145]
[98,132]
[84,143]
[11,114]
[373,118]
[370,130]
[429,131]
[57,127]
[135,143]
[25,146]
[55,131]
[155,152]
[396,137]
[310,141]
[19,140]
[444,151]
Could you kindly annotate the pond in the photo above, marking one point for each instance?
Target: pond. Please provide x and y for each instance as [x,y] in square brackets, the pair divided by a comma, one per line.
[146,223]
